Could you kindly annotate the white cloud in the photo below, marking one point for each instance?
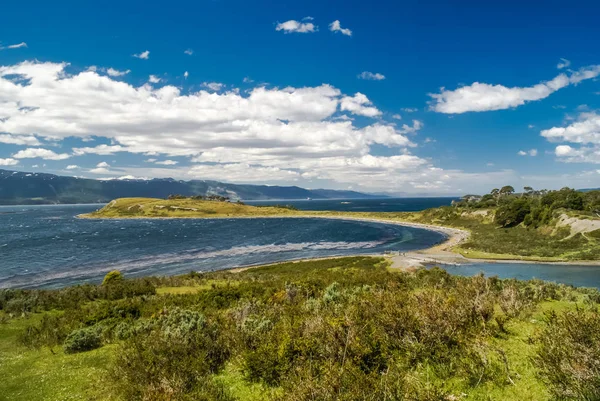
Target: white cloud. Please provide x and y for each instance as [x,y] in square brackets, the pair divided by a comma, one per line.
[101,168]
[531,152]
[46,154]
[186,75]
[397,117]
[563,63]
[72,167]
[586,130]
[485,97]
[116,73]
[248,80]
[284,134]
[154,79]
[145,55]
[167,162]
[28,140]
[189,52]
[335,26]
[296,26]
[8,162]
[15,46]
[152,160]
[531,126]
[359,104]
[371,76]
[213,86]
[409,110]
[99,150]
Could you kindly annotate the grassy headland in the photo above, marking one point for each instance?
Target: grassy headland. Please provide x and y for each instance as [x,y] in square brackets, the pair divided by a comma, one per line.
[183,207]
[546,226]
[337,329]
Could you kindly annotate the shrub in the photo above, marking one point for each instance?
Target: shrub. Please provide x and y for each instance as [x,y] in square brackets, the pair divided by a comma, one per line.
[112,277]
[568,356]
[172,357]
[81,340]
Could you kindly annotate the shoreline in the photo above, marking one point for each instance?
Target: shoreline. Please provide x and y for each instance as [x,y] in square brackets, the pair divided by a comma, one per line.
[441,253]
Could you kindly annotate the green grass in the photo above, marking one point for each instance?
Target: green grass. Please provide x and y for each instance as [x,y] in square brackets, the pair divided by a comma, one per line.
[182,208]
[42,374]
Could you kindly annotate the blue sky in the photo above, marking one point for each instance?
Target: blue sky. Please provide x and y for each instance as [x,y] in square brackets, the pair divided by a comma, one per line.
[274,92]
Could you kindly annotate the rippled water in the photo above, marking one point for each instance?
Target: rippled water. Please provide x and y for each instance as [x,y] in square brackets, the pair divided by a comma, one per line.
[577,275]
[46,246]
[363,205]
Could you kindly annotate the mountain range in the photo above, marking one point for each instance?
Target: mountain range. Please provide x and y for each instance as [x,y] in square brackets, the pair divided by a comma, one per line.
[40,188]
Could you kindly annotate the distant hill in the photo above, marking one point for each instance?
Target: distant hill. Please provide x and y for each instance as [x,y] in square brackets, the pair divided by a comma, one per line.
[40,188]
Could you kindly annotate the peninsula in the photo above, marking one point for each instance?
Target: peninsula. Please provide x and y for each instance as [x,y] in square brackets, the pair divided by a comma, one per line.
[541,226]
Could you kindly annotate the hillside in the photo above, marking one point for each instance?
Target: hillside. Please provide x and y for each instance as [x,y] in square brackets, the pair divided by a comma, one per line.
[39,188]
[336,329]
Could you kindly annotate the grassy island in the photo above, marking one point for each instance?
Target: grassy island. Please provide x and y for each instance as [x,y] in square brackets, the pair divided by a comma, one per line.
[336,329]
[182,207]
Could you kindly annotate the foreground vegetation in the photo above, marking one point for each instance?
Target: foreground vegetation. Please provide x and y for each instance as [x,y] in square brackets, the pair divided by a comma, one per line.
[336,329]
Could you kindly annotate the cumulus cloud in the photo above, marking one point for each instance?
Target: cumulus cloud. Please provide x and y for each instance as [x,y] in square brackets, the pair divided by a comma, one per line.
[531,152]
[282,134]
[186,75]
[293,26]
[46,154]
[359,104]
[72,167]
[584,133]
[28,140]
[167,162]
[153,79]
[145,55]
[371,76]
[563,63]
[101,168]
[15,46]
[485,97]
[116,73]
[213,86]
[8,162]
[586,130]
[335,26]
[99,150]
[189,52]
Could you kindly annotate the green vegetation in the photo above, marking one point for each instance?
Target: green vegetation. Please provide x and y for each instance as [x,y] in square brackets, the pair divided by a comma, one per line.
[181,207]
[335,329]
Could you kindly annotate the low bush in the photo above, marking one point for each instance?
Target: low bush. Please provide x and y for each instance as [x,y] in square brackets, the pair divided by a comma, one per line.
[81,340]
[568,356]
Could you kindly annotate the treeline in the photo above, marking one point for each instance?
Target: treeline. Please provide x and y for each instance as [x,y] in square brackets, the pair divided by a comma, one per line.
[532,207]
[338,329]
